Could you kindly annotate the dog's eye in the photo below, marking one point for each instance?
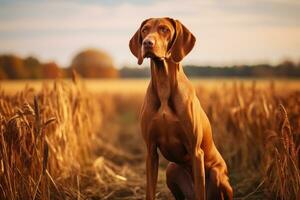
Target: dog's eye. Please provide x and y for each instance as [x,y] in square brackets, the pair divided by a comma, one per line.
[164,29]
[145,30]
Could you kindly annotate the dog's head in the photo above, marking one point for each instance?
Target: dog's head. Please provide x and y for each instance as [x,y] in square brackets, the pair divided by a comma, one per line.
[160,38]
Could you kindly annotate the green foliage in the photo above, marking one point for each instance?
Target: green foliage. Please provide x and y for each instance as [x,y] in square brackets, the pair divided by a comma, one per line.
[33,65]
[284,69]
[13,67]
[97,64]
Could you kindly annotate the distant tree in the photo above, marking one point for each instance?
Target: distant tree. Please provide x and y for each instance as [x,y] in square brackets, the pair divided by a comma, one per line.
[51,70]
[2,73]
[287,68]
[284,69]
[34,67]
[66,72]
[262,70]
[13,67]
[130,72]
[93,63]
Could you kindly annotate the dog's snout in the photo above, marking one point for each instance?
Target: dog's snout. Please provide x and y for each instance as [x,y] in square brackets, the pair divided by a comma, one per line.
[148,43]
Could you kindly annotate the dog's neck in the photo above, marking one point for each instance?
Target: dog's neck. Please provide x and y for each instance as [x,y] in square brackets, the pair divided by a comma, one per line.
[164,78]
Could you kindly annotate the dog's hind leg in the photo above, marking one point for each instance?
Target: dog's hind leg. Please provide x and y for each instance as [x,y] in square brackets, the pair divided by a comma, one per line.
[180,182]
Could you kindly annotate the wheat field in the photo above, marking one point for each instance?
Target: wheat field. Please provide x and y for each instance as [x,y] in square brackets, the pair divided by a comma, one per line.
[80,139]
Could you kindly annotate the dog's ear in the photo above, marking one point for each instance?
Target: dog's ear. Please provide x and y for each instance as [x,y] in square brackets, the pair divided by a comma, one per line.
[135,44]
[182,43]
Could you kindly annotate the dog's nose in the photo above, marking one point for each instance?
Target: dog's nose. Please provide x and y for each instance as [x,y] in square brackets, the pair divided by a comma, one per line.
[148,43]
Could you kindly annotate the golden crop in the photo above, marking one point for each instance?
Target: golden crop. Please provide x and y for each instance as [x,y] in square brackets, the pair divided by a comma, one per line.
[64,141]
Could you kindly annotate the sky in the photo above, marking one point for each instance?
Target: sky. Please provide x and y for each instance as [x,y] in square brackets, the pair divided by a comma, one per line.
[227,32]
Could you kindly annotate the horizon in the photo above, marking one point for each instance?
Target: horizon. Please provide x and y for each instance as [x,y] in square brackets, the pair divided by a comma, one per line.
[231,33]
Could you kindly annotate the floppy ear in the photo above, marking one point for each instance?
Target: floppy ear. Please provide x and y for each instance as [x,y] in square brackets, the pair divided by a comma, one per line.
[135,44]
[183,42]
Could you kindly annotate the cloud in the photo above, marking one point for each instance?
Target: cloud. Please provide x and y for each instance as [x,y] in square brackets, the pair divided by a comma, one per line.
[227,32]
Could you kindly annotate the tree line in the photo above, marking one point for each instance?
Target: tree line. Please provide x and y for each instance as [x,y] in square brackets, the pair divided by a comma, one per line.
[285,69]
[89,63]
[97,64]
[14,67]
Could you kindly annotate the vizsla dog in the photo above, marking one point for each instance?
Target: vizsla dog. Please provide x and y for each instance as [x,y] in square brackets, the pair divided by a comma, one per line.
[172,119]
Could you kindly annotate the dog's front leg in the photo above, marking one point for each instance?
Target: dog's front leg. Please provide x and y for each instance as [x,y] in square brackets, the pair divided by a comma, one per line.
[192,124]
[199,174]
[152,171]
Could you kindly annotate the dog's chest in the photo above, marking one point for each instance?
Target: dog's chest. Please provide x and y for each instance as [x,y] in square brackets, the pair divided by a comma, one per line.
[169,135]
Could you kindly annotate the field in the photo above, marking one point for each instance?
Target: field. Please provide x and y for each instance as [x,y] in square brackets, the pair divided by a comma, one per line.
[80,139]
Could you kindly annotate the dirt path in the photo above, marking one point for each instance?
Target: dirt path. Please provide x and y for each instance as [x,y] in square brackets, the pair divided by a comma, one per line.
[123,155]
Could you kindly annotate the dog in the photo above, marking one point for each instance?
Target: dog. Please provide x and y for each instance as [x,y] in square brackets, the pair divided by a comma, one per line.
[172,119]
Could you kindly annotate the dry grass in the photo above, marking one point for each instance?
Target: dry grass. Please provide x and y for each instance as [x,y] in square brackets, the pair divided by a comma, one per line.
[63,142]
[253,131]
[45,139]
[132,86]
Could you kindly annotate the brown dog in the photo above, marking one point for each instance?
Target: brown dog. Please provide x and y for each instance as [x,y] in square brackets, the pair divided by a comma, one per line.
[172,118]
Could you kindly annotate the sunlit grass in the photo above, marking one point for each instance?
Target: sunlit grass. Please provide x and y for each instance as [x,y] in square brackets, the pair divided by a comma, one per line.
[140,85]
[83,141]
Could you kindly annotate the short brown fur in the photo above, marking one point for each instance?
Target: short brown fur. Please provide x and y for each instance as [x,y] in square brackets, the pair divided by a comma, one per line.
[172,119]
